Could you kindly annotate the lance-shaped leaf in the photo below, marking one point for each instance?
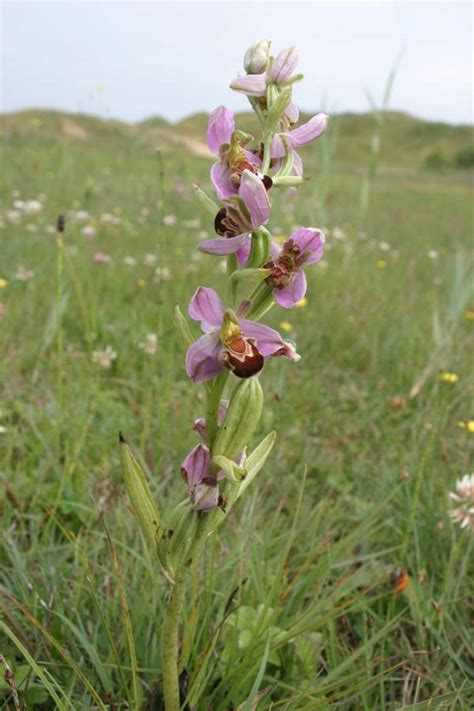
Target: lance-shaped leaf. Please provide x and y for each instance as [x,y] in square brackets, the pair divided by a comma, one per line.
[140,496]
[207,203]
[232,471]
[256,460]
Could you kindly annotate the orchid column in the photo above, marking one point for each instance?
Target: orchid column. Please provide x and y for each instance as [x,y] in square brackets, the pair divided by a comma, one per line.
[234,345]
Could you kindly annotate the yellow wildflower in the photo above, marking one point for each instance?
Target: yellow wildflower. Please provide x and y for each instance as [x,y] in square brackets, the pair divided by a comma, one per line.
[3,283]
[280,239]
[141,283]
[303,302]
[469,315]
[381,264]
[469,425]
[286,326]
[449,377]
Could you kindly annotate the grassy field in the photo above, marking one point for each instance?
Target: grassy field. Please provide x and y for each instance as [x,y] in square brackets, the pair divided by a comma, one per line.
[295,606]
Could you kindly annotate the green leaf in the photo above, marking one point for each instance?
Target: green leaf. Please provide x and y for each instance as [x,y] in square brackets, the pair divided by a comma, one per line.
[141,497]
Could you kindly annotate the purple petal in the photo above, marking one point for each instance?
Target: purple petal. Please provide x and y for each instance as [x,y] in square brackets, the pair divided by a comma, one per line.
[309,131]
[251,84]
[297,168]
[292,112]
[255,196]
[310,241]
[220,128]
[253,158]
[199,426]
[196,465]
[205,497]
[284,65]
[268,340]
[220,176]
[203,360]
[244,252]
[275,250]
[290,295]
[281,144]
[223,246]
[206,306]
[288,351]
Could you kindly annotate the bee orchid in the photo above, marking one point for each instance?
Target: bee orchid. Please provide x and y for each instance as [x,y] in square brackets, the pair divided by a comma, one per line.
[242,214]
[229,145]
[229,340]
[287,278]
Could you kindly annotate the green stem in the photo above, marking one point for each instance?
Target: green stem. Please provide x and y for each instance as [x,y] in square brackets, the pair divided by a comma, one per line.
[174,612]
[59,341]
[266,153]
[212,406]
[170,644]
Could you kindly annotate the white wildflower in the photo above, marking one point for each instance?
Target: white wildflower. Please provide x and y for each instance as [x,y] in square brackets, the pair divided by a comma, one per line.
[150,343]
[82,215]
[14,216]
[33,207]
[88,231]
[463,514]
[162,273]
[104,356]
[24,274]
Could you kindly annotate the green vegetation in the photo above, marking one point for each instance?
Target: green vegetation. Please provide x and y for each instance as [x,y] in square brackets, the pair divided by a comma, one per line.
[295,607]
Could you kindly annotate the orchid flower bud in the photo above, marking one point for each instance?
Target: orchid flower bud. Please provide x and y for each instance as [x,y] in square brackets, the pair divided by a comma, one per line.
[256,57]
[241,419]
[140,496]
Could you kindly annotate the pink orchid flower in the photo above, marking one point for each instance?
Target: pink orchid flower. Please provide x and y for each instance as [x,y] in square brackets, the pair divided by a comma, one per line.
[229,340]
[287,278]
[242,214]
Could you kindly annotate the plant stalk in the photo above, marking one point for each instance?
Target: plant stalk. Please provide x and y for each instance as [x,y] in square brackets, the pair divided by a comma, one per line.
[170,644]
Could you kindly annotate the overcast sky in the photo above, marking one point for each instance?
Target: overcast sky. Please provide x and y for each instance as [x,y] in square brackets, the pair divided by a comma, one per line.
[131,60]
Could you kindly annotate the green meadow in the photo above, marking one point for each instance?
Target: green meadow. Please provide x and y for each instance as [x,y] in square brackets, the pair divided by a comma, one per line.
[340,580]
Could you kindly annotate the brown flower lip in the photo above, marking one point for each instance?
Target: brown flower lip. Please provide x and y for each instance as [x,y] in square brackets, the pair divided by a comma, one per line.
[242,357]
